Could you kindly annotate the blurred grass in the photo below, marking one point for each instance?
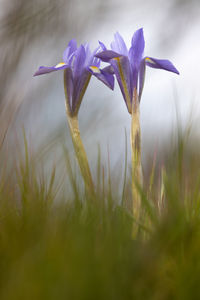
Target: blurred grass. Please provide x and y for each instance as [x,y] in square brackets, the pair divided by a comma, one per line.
[73,247]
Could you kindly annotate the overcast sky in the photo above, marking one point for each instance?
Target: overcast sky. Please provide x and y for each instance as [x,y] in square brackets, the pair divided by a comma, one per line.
[171,30]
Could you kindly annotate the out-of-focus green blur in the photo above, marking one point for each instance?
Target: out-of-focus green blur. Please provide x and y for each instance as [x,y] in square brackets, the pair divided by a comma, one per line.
[73,246]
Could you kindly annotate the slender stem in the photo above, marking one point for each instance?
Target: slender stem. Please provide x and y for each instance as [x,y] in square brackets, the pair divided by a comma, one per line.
[136,157]
[78,145]
[80,153]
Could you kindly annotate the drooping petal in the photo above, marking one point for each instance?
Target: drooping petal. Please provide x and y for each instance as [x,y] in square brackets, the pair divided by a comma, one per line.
[44,70]
[79,61]
[163,64]
[118,45]
[103,75]
[72,47]
[107,55]
[137,48]
[122,70]
[142,72]
[108,69]
[80,84]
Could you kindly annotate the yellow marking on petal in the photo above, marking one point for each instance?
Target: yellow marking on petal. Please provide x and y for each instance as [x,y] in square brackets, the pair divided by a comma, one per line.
[149,60]
[95,69]
[60,65]
[126,92]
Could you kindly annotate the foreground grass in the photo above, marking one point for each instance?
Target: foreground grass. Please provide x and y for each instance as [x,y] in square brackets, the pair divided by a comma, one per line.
[81,248]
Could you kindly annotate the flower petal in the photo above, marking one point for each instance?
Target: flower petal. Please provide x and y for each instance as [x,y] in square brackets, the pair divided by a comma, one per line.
[68,86]
[118,45]
[79,61]
[107,55]
[161,64]
[72,47]
[90,57]
[80,84]
[103,47]
[108,69]
[142,72]
[44,70]
[122,70]
[137,49]
[103,75]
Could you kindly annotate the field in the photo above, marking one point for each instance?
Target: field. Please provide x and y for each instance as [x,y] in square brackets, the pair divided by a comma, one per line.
[56,244]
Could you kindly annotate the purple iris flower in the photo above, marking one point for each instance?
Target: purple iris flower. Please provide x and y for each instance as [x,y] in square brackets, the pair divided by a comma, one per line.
[79,63]
[129,65]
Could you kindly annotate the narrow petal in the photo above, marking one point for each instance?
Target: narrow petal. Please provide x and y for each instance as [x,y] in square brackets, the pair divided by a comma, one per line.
[108,69]
[103,47]
[163,64]
[95,61]
[90,57]
[142,72]
[68,86]
[107,55]
[79,61]
[118,45]
[44,70]
[103,75]
[96,50]
[79,87]
[137,49]
[122,70]
[72,46]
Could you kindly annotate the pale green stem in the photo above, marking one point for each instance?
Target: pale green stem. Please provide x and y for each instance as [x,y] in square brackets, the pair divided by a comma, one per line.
[78,147]
[136,158]
[80,153]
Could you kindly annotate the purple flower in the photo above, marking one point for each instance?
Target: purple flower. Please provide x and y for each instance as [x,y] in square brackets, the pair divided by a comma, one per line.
[79,63]
[129,65]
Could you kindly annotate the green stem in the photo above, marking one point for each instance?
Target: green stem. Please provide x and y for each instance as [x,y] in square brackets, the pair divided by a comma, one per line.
[78,146]
[80,153]
[136,157]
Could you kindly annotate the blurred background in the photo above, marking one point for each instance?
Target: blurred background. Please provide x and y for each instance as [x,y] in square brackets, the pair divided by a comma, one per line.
[35,33]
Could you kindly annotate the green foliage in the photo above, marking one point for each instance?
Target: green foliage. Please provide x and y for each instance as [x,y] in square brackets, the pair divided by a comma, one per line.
[55,246]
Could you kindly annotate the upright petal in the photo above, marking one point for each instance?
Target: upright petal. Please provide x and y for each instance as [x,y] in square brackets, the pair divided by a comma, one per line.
[79,61]
[72,46]
[90,57]
[103,47]
[137,49]
[118,45]
[96,61]
[122,70]
[163,64]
